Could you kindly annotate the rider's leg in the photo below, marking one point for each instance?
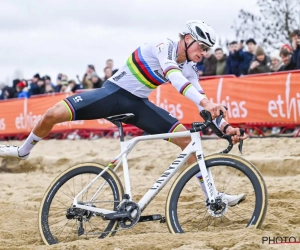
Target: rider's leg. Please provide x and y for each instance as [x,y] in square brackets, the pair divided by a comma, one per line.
[82,106]
[182,142]
[58,113]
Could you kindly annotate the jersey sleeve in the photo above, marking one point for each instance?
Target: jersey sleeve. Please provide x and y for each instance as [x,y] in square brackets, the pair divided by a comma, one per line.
[187,86]
[166,55]
[190,71]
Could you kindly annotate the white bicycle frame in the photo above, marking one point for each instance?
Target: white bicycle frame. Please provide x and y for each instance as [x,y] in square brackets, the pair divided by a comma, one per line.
[194,146]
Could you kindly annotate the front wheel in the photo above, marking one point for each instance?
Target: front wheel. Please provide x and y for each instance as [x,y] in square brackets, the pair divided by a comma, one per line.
[187,210]
[60,222]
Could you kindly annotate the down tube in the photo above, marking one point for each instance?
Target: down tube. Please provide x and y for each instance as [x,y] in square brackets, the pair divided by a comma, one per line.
[166,176]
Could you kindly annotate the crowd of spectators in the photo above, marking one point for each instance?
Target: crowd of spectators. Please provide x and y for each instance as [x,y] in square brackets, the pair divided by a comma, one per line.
[242,61]
[23,88]
[239,61]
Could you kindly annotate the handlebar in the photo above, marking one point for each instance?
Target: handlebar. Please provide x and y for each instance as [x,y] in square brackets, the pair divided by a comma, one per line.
[208,123]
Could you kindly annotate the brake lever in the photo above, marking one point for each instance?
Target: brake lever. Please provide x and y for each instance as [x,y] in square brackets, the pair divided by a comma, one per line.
[242,132]
[206,116]
[228,149]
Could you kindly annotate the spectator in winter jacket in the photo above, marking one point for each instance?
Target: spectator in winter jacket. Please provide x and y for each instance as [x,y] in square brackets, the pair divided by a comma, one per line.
[37,88]
[261,63]
[64,87]
[200,67]
[73,86]
[47,80]
[286,57]
[49,89]
[61,78]
[15,82]
[22,90]
[35,78]
[96,80]
[86,82]
[210,64]
[221,61]
[232,61]
[276,61]
[296,48]
[110,64]
[246,57]
[7,93]
[107,73]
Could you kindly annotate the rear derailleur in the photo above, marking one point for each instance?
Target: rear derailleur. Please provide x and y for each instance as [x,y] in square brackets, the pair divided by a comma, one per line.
[80,215]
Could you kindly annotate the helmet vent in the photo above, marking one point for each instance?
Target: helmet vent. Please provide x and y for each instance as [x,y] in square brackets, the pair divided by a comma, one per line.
[200,32]
[209,39]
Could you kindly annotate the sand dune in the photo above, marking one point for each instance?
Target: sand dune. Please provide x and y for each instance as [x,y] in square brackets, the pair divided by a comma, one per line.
[24,183]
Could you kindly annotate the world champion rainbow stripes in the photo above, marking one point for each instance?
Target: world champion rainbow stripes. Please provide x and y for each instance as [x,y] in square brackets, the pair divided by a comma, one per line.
[170,70]
[202,93]
[185,88]
[141,70]
[173,129]
[70,109]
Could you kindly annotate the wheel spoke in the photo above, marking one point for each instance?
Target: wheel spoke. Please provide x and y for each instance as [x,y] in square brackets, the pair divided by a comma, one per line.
[55,211]
[50,215]
[231,180]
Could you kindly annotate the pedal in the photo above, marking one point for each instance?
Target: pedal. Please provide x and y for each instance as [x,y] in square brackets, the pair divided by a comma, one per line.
[153,217]
[80,229]
[163,220]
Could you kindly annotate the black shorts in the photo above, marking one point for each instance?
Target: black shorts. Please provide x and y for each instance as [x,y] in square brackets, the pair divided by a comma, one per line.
[113,100]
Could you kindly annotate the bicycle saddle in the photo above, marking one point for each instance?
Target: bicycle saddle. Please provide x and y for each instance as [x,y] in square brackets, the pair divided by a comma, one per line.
[119,118]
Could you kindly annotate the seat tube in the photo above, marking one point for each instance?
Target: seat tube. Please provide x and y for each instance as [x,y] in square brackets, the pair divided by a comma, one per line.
[124,160]
[121,131]
[126,171]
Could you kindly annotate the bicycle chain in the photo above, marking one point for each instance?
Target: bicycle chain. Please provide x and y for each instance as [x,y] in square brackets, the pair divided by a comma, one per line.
[113,232]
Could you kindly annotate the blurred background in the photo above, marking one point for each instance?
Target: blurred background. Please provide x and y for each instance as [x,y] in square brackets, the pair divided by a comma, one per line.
[65,46]
[63,37]
[51,36]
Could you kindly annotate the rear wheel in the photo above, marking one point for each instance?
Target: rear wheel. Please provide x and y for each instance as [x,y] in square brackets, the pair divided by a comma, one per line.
[60,222]
[187,210]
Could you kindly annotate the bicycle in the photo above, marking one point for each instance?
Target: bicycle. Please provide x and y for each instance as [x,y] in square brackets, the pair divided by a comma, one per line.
[82,211]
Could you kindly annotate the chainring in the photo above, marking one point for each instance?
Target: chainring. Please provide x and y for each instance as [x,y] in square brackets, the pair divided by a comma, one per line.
[134,214]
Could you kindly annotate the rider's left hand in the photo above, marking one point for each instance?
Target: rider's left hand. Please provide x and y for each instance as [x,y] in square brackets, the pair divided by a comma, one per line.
[236,135]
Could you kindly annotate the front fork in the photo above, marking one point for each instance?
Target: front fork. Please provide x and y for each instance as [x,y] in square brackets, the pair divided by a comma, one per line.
[209,184]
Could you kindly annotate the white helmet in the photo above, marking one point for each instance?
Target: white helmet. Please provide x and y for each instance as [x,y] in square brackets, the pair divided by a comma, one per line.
[201,32]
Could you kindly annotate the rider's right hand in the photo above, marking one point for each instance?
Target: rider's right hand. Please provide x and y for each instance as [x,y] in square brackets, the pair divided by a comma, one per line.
[213,108]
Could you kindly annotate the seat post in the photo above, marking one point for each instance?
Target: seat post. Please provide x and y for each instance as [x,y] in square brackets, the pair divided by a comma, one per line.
[120,127]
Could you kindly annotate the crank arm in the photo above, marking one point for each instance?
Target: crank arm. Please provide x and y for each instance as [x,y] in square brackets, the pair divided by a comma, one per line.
[151,218]
[116,215]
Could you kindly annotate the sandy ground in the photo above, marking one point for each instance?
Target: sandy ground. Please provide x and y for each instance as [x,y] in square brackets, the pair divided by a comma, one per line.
[24,183]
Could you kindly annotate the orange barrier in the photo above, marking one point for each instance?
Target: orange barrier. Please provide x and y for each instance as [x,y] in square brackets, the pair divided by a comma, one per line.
[259,99]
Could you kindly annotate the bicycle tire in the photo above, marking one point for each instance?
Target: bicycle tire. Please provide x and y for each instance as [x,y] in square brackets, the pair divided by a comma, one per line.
[236,162]
[84,168]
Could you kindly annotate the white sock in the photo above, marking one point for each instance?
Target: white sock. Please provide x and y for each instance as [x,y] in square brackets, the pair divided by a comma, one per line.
[30,142]
[200,179]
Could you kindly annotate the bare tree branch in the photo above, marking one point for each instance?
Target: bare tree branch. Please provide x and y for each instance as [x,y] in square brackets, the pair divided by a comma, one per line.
[273,26]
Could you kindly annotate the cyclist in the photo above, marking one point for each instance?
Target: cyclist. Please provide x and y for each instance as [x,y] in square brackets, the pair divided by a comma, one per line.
[128,89]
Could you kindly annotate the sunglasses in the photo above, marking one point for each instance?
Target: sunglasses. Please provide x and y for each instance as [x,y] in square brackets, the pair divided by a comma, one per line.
[204,47]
